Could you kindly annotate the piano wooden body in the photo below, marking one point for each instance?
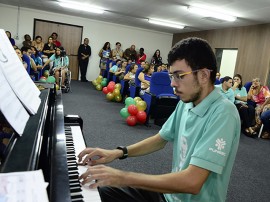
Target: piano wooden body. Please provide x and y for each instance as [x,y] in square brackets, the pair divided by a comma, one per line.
[44,145]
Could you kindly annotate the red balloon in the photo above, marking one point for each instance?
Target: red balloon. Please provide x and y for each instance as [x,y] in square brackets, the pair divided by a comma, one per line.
[131,120]
[105,90]
[112,83]
[110,88]
[141,116]
[132,109]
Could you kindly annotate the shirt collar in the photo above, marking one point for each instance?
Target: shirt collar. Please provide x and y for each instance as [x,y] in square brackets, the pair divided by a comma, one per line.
[206,103]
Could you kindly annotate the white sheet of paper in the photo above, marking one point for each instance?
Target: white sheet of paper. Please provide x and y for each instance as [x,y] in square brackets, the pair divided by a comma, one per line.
[11,107]
[17,77]
[28,186]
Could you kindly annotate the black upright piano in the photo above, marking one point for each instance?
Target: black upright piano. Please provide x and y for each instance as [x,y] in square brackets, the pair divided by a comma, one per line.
[43,146]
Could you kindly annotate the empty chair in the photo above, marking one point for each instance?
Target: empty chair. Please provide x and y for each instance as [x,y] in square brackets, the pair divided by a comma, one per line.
[161,100]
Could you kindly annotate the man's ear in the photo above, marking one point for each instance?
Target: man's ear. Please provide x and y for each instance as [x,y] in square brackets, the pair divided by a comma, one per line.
[204,75]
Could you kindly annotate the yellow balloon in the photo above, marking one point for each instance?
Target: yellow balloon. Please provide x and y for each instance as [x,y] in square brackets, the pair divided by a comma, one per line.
[137,99]
[110,96]
[57,86]
[117,86]
[100,77]
[99,80]
[118,98]
[141,106]
[94,82]
[116,92]
[99,87]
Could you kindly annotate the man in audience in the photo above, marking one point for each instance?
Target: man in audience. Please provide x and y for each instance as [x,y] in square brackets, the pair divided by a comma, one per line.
[55,41]
[226,88]
[204,130]
[84,52]
[130,53]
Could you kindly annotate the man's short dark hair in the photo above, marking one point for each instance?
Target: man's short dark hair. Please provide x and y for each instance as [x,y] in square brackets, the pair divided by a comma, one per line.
[25,49]
[226,78]
[54,33]
[197,53]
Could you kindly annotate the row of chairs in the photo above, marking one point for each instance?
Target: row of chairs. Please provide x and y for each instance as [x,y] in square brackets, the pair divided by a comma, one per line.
[161,100]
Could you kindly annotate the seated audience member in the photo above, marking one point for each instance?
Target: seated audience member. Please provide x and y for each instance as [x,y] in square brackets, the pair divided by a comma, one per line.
[156,59]
[145,78]
[143,64]
[115,67]
[141,56]
[265,118]
[261,96]
[105,55]
[217,78]
[130,76]
[130,54]
[48,51]
[12,41]
[117,52]
[36,57]
[246,111]
[38,44]
[19,53]
[60,64]
[55,41]
[226,88]
[27,41]
[120,73]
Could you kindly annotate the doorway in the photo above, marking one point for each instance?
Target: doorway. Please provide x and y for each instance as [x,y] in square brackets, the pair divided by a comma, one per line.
[70,37]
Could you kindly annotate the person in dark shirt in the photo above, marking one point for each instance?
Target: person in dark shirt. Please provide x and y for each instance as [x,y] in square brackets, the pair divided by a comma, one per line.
[84,52]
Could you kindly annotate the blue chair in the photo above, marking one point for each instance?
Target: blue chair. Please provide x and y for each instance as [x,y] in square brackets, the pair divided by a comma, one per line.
[161,100]
[110,74]
[248,85]
[124,84]
[134,89]
[217,81]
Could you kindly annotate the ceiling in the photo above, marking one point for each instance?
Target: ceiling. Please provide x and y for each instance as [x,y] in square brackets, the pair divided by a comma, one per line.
[137,12]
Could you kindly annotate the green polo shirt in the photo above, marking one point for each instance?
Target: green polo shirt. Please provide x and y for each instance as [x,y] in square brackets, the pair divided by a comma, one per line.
[206,136]
[241,93]
[229,94]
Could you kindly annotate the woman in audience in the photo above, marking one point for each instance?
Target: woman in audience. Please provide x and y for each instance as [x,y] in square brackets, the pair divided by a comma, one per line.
[145,78]
[105,54]
[141,56]
[130,76]
[38,44]
[19,53]
[117,52]
[261,96]
[27,41]
[36,56]
[246,112]
[12,41]
[61,62]
[120,73]
[156,59]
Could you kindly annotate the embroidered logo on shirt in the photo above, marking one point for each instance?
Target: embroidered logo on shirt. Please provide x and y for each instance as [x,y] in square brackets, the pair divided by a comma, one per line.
[220,145]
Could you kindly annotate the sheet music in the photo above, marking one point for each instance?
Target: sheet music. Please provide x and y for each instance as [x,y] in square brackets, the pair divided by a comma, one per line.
[16,75]
[11,107]
[28,186]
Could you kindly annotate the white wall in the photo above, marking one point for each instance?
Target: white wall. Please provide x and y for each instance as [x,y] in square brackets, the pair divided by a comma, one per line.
[98,32]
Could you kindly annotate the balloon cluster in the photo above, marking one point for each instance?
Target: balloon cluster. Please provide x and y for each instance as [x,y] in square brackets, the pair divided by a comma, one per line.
[49,79]
[100,82]
[112,91]
[134,112]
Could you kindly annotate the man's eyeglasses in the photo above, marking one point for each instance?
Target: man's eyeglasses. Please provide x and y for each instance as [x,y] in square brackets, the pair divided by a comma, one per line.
[176,76]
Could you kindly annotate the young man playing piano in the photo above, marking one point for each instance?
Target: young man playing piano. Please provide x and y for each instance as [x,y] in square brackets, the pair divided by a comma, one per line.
[204,129]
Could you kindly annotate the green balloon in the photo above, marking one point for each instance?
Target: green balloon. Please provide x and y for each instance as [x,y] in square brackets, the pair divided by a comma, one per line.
[124,113]
[51,79]
[129,101]
[103,83]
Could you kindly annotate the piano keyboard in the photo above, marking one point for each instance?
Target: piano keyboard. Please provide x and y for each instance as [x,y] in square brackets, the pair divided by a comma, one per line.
[75,144]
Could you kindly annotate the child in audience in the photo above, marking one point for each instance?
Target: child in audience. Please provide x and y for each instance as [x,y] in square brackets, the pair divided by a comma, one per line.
[27,41]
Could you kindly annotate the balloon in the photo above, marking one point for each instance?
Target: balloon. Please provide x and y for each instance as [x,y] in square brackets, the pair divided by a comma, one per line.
[129,101]
[117,86]
[141,105]
[132,109]
[42,80]
[141,116]
[137,99]
[124,113]
[112,83]
[98,87]
[131,120]
[105,90]
[103,83]
[57,87]
[109,96]
[46,73]
[94,82]
[98,80]
[51,79]
[110,88]
[100,77]
[118,98]
[116,92]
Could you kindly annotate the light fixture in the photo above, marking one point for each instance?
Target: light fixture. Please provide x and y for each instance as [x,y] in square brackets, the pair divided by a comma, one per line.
[80,6]
[166,23]
[210,13]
